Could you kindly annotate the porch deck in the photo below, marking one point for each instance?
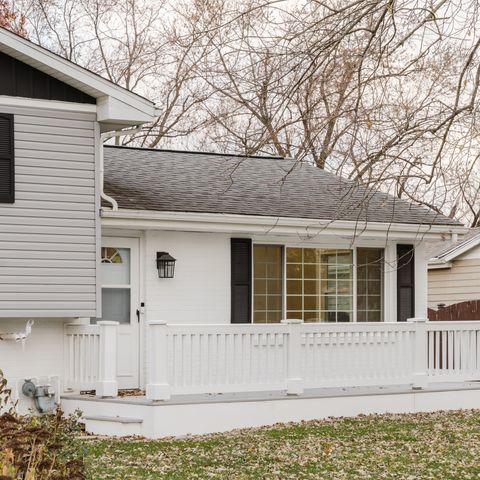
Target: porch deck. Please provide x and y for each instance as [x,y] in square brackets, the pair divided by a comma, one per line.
[207,413]
[208,378]
[232,397]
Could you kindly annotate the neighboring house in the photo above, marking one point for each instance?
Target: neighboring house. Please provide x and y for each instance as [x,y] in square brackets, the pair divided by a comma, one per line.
[454,278]
[219,284]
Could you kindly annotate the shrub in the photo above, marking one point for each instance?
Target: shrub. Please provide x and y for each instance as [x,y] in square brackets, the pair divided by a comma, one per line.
[37,447]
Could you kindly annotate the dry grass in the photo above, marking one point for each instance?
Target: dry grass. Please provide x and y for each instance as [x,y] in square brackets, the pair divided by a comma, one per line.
[418,446]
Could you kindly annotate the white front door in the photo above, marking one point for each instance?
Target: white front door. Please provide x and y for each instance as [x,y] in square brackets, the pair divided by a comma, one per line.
[120,292]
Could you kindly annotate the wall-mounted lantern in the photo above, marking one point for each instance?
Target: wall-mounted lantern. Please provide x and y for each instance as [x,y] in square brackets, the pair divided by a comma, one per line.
[165,265]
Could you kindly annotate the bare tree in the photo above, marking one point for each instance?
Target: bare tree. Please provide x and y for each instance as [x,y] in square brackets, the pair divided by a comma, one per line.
[384,92]
[133,43]
[10,19]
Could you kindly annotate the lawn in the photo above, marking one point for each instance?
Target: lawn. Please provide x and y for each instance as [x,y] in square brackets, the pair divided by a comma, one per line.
[420,446]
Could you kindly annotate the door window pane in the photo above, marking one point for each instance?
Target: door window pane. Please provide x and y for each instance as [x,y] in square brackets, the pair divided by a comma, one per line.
[115,279]
[370,284]
[115,269]
[116,304]
[267,283]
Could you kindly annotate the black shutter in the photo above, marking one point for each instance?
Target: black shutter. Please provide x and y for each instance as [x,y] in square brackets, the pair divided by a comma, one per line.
[7,170]
[241,257]
[405,282]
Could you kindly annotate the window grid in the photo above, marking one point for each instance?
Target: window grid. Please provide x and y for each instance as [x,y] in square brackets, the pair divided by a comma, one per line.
[319,284]
[268,283]
[370,268]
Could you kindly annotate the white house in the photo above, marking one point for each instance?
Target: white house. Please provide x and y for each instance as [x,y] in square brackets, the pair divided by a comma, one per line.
[234,290]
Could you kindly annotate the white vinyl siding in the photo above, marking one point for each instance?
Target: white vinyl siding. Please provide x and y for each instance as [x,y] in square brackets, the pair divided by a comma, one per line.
[459,283]
[48,236]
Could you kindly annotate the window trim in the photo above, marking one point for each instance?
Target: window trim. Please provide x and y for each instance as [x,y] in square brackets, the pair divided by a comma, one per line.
[286,245]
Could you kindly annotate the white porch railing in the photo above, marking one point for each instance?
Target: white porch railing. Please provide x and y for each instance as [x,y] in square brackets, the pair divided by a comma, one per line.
[453,351]
[357,354]
[82,344]
[291,356]
[91,357]
[223,358]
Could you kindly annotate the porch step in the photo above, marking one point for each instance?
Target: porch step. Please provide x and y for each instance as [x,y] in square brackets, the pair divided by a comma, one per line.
[114,426]
[106,418]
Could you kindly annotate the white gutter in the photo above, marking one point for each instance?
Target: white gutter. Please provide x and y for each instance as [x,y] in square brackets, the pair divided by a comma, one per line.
[458,250]
[103,138]
[143,219]
[436,264]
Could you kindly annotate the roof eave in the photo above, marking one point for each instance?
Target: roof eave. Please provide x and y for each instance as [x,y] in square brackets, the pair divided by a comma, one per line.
[146,219]
[437,264]
[458,250]
[117,105]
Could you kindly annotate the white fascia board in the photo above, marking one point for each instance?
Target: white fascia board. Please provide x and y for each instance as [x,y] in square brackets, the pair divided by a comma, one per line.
[72,74]
[460,249]
[112,111]
[436,264]
[254,224]
[47,104]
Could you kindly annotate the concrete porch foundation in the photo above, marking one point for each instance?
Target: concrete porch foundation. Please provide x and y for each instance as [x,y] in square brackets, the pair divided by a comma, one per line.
[201,414]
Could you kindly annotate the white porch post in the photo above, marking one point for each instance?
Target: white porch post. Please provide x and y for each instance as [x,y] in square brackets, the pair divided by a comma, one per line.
[390,283]
[421,281]
[294,351]
[157,386]
[420,365]
[107,385]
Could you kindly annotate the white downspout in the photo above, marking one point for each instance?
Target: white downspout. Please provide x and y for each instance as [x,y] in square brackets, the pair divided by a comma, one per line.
[103,138]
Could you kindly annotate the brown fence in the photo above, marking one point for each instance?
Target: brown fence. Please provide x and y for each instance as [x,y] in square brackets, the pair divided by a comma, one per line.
[458,311]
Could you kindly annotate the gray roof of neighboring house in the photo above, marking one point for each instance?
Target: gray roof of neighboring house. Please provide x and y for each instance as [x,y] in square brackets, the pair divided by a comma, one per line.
[159,180]
[444,248]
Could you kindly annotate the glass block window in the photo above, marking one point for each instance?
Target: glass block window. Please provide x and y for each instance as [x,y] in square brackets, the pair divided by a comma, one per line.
[370,284]
[267,283]
[319,284]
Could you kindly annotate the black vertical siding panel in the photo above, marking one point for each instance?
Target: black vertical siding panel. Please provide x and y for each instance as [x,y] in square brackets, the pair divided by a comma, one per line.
[21,80]
[7,77]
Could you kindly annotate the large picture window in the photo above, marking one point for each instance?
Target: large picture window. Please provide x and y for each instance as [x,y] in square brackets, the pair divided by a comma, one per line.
[317,284]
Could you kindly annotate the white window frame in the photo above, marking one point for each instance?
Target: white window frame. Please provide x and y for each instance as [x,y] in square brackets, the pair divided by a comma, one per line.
[286,245]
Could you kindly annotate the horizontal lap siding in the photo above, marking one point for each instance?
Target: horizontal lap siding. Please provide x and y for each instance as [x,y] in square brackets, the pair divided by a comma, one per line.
[457,284]
[48,236]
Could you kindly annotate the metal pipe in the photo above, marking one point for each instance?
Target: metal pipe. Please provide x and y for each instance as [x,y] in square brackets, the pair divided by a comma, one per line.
[103,138]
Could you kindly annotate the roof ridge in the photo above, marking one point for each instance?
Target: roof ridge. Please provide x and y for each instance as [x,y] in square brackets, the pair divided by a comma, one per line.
[199,152]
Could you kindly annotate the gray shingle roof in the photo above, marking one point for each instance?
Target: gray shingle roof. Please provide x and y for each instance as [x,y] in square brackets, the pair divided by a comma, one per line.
[159,180]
